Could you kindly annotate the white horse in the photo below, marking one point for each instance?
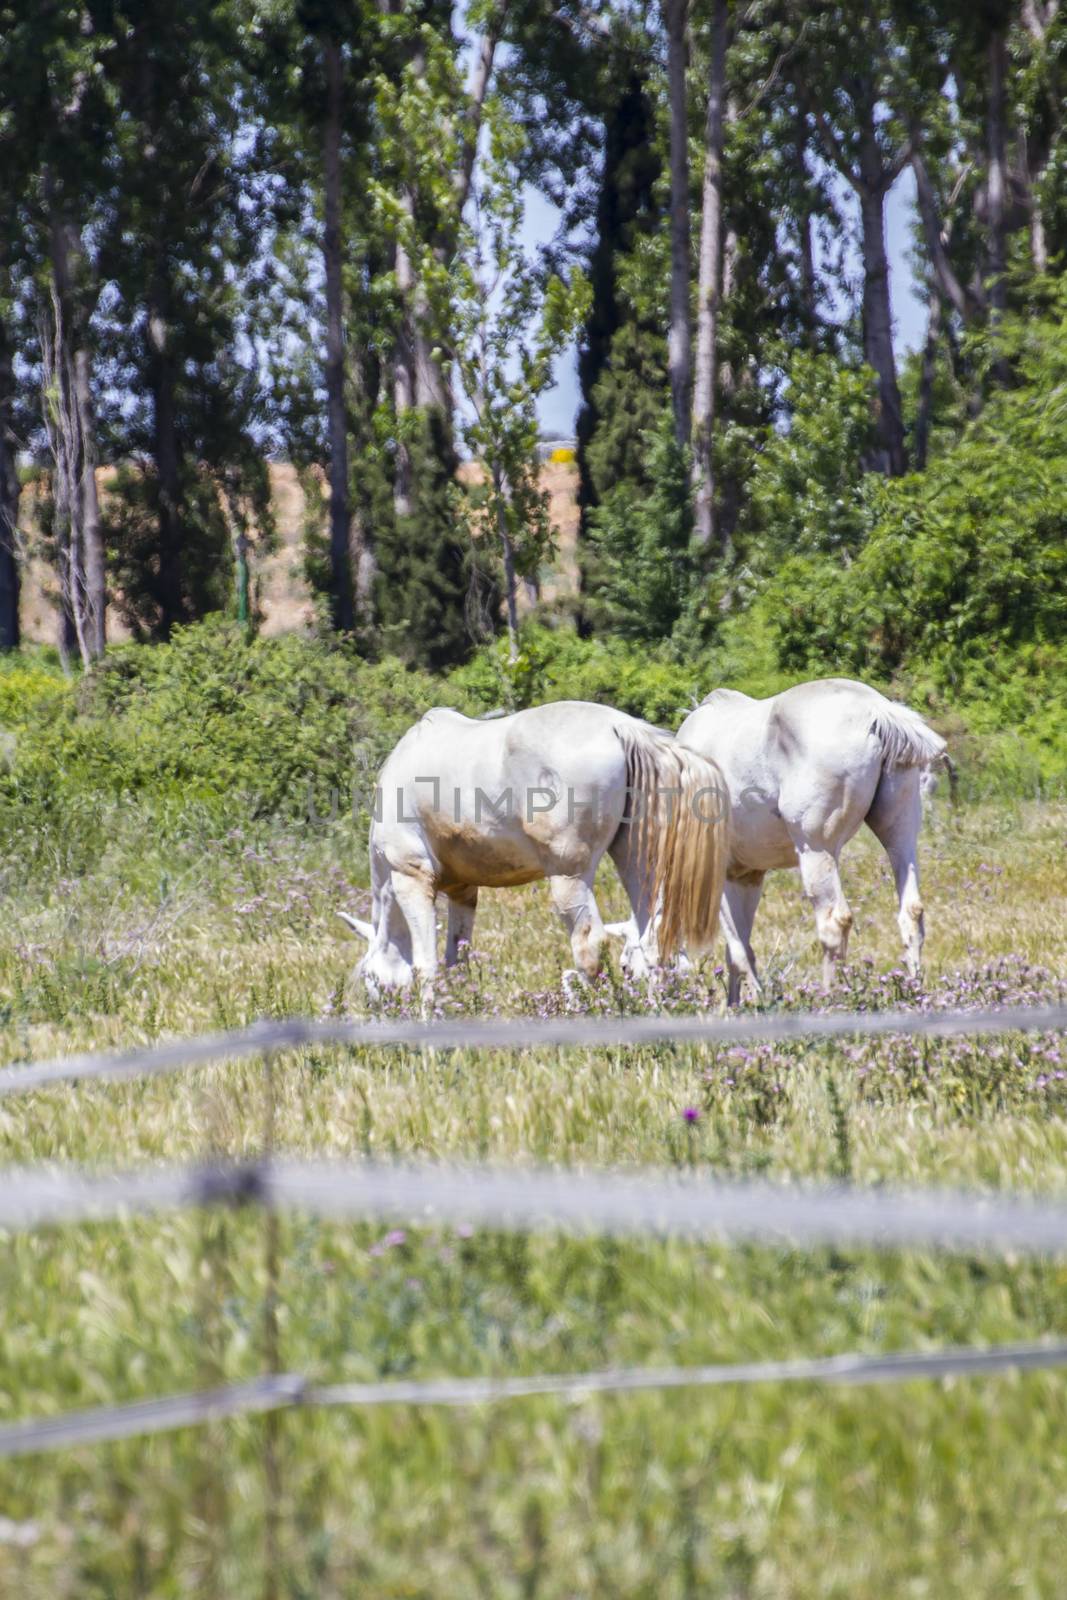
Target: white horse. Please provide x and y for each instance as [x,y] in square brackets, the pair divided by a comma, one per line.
[805,768]
[541,794]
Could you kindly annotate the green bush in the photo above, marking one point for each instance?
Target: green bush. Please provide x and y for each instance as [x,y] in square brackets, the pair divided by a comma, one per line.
[807,491]
[644,577]
[209,731]
[958,591]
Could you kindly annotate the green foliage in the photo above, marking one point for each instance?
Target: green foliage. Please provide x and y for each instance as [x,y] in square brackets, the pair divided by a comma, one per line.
[622,353]
[628,401]
[131,531]
[32,688]
[806,492]
[959,585]
[560,665]
[963,565]
[643,575]
[210,731]
[513,318]
[427,568]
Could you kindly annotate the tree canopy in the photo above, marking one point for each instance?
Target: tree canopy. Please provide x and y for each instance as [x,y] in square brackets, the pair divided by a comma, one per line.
[234,229]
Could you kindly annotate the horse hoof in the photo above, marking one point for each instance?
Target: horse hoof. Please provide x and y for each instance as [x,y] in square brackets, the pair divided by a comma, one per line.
[575,983]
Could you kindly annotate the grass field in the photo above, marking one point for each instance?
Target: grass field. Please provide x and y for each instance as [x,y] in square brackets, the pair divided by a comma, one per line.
[948,1489]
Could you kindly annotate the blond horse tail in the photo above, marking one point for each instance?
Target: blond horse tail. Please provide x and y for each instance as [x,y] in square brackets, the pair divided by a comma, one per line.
[680,811]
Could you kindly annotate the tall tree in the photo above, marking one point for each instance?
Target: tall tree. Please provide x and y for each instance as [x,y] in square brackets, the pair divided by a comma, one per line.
[513,321]
[997,162]
[679,339]
[1042,113]
[58,141]
[17,155]
[73,178]
[182,254]
[9,493]
[341,577]
[709,282]
[844,92]
[620,340]
[313,77]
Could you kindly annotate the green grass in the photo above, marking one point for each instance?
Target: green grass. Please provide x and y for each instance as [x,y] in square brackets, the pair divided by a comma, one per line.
[957,1488]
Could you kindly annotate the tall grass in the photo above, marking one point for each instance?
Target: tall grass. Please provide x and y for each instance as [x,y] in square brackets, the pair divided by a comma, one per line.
[955,1488]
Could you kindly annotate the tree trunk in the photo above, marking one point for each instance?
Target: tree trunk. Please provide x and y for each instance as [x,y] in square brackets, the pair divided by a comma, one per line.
[342,610]
[61,426]
[1038,240]
[481,77]
[997,178]
[91,531]
[709,287]
[511,584]
[159,366]
[873,181]
[927,378]
[809,288]
[1038,19]
[9,504]
[403,377]
[167,455]
[948,283]
[432,391]
[679,338]
[85,590]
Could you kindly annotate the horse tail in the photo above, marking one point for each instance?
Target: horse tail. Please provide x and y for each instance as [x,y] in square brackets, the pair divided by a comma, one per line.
[906,740]
[680,810]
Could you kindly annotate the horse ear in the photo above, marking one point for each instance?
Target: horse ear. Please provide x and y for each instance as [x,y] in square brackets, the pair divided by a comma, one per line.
[364,929]
[617,930]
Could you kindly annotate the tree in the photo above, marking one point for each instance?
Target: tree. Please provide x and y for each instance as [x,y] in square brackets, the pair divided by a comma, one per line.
[843,91]
[56,94]
[513,319]
[621,363]
[9,494]
[182,254]
[342,595]
[709,281]
[78,119]
[679,338]
[647,570]
[313,74]
[1041,118]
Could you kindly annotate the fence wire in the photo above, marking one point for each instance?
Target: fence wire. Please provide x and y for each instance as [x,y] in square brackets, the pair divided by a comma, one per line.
[523,1033]
[283,1391]
[653,1202]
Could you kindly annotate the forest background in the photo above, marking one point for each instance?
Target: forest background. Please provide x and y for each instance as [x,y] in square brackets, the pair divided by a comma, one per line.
[244,232]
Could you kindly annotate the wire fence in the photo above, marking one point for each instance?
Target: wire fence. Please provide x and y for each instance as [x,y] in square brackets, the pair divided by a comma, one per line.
[652,1202]
[276,1392]
[523,1033]
[640,1203]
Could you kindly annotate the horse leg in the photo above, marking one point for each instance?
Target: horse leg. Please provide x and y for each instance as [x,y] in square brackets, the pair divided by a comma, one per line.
[415,897]
[741,897]
[573,899]
[641,952]
[894,819]
[461,908]
[833,918]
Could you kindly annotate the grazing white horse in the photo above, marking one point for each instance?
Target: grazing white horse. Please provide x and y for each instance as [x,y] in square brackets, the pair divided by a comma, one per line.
[541,794]
[805,768]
